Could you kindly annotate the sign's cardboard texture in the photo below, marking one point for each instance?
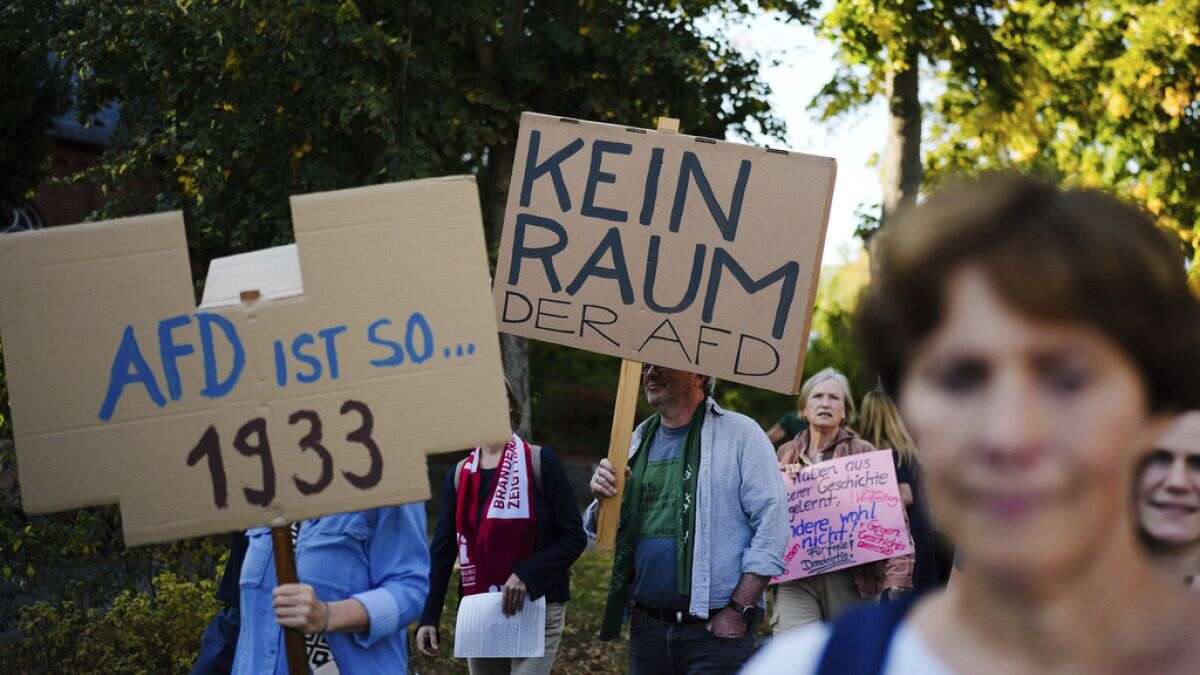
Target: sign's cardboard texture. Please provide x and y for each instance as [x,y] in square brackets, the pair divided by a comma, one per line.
[123,391]
[841,513]
[685,252]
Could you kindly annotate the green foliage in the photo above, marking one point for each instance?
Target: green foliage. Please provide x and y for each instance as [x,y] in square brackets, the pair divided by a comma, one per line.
[142,632]
[227,109]
[34,92]
[1110,97]
[80,556]
[875,38]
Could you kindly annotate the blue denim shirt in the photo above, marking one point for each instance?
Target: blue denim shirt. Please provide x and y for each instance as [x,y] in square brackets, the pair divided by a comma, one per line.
[741,514]
[378,557]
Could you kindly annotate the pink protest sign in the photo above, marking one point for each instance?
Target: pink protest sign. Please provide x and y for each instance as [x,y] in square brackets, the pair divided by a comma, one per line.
[842,513]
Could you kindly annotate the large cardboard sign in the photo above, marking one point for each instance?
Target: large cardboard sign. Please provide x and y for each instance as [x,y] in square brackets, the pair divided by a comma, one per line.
[842,513]
[367,344]
[686,252]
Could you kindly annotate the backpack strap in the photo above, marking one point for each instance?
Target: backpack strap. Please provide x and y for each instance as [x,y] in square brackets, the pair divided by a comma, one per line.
[859,640]
[535,457]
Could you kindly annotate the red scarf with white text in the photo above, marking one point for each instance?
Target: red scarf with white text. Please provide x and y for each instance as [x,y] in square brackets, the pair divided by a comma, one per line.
[489,548]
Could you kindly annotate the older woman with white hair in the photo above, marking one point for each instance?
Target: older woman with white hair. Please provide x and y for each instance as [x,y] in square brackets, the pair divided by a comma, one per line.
[828,406]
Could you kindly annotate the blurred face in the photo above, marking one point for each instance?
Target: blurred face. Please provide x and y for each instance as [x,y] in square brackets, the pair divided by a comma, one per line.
[1169,485]
[666,387]
[1029,431]
[826,405]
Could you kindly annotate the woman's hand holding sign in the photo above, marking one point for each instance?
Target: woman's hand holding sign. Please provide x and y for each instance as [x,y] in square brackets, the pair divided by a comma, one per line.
[297,606]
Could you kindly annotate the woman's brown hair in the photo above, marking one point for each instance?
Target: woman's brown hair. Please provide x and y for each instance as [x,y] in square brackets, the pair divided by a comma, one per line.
[1076,255]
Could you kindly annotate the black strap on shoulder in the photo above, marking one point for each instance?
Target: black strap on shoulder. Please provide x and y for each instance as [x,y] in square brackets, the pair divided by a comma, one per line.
[859,640]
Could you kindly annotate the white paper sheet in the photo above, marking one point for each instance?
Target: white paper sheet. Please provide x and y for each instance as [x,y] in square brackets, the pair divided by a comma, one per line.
[483,631]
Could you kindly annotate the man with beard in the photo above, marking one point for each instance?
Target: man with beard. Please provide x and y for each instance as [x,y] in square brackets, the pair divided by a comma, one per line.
[1169,498]
[703,529]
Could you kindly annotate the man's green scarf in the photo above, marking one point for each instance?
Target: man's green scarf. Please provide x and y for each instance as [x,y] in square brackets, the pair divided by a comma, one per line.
[630,521]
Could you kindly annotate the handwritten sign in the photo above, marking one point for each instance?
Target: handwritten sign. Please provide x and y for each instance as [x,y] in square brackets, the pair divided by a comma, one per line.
[842,513]
[356,351]
[686,252]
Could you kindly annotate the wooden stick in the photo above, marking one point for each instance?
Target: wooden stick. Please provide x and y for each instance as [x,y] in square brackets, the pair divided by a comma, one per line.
[285,573]
[624,411]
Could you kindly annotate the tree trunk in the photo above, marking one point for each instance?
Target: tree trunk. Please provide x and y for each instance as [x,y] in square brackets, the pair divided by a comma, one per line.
[901,170]
[494,63]
[513,349]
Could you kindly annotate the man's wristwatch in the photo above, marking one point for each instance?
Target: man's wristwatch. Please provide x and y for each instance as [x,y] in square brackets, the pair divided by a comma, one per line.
[748,613]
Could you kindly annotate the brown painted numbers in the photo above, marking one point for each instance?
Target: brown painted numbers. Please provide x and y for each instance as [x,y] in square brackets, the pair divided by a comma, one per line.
[251,441]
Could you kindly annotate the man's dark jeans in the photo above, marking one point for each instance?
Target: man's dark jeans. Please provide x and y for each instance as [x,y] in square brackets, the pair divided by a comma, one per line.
[687,649]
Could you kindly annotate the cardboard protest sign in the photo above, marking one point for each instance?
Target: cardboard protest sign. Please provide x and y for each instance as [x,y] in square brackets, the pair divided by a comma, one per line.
[842,513]
[686,252]
[371,342]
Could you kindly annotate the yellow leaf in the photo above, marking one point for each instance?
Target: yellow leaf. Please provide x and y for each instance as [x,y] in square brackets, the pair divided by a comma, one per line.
[1118,105]
[1175,101]
[233,62]
[1148,76]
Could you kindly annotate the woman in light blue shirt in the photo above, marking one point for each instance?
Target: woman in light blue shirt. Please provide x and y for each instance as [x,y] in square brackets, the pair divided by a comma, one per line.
[364,576]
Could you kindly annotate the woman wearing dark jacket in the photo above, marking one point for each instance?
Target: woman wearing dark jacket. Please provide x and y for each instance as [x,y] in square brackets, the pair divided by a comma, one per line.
[524,552]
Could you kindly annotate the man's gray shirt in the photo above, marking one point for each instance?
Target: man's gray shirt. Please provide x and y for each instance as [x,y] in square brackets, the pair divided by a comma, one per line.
[741,514]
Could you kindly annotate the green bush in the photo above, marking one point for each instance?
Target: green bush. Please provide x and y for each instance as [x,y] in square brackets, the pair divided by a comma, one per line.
[154,632]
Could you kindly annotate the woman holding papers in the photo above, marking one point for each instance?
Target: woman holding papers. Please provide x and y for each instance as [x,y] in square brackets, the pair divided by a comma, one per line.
[1039,340]
[507,538]
[828,407]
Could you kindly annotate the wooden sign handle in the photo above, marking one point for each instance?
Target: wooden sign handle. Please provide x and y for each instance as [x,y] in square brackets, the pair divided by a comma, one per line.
[624,411]
[285,573]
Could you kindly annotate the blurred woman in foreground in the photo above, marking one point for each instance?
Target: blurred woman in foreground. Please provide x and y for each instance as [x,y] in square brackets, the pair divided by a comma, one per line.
[828,406]
[883,428]
[1025,329]
[1168,495]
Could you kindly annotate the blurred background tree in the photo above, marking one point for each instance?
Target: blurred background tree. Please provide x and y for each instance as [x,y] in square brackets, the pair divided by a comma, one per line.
[1109,97]
[882,45]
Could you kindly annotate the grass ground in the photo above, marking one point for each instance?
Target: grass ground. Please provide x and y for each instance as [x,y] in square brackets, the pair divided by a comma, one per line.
[580,651]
